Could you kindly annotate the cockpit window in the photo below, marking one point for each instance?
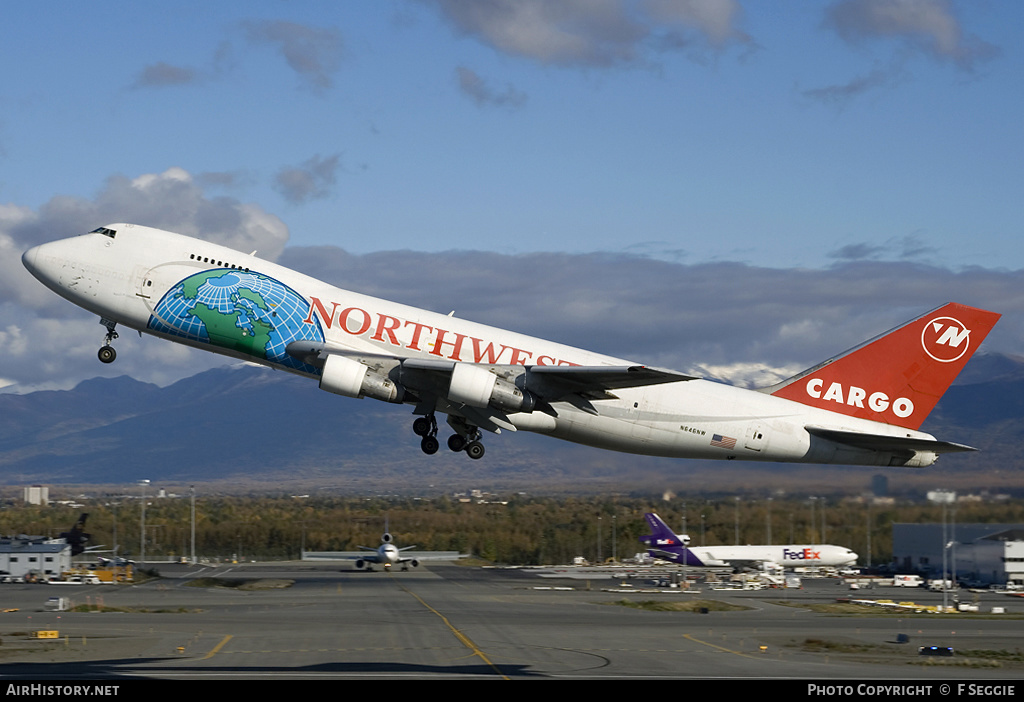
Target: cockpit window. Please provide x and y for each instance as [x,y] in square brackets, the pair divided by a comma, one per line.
[105,232]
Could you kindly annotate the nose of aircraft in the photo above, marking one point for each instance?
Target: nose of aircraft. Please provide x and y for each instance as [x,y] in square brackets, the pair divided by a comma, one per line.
[28,259]
[44,262]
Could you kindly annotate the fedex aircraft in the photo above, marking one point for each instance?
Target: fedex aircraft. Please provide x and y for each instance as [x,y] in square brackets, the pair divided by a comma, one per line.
[862,407]
[665,544]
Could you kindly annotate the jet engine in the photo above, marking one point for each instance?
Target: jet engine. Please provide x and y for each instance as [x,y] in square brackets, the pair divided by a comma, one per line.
[344,376]
[477,387]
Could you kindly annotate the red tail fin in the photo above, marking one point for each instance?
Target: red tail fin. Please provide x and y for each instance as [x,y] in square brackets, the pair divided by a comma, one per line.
[898,377]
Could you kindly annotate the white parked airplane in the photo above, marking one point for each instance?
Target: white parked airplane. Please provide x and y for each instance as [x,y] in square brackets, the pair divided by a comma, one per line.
[665,544]
[386,555]
[861,407]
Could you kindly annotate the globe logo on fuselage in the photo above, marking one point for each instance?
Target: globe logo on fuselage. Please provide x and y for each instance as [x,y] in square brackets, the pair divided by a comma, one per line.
[243,311]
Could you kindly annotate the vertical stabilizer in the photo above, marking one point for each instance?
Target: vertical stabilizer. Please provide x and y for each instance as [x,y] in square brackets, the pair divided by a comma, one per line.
[896,378]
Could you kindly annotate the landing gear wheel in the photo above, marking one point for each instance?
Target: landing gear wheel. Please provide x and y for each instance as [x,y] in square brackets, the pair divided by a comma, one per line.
[107,354]
[456,443]
[421,427]
[430,445]
[475,450]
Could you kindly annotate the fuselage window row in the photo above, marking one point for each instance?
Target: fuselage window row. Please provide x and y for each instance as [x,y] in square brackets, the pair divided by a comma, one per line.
[220,264]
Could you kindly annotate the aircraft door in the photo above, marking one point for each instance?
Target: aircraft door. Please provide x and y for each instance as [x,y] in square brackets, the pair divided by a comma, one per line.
[756,437]
[640,420]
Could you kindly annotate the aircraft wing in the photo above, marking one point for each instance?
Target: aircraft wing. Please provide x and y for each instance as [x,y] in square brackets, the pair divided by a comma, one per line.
[664,555]
[577,385]
[432,556]
[355,555]
[882,442]
[594,382]
[368,556]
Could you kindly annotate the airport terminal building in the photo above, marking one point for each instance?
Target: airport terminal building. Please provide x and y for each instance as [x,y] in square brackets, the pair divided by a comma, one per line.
[988,554]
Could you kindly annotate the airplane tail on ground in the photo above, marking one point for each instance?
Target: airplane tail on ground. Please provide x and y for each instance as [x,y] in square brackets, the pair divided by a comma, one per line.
[664,543]
[77,538]
[898,377]
[660,531]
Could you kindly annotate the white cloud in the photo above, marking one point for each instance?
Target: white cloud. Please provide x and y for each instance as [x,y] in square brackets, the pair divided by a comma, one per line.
[311,180]
[314,53]
[929,26]
[476,88]
[595,32]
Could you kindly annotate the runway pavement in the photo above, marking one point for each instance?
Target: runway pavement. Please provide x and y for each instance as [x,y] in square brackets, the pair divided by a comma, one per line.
[459,622]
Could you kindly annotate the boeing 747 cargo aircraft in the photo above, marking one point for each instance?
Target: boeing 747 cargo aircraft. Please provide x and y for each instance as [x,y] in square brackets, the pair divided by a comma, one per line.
[863,406]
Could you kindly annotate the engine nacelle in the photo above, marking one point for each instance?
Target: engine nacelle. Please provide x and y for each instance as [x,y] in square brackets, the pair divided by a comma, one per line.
[386,538]
[413,563]
[360,564]
[477,387]
[921,459]
[344,376]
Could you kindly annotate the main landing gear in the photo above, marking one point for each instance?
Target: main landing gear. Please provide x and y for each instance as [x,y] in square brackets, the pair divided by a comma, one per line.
[107,354]
[469,442]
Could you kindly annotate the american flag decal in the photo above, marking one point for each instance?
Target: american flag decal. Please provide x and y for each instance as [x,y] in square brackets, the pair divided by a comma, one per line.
[726,442]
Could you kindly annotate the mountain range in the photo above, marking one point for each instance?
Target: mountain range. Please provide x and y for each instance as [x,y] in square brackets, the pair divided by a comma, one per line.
[248,425]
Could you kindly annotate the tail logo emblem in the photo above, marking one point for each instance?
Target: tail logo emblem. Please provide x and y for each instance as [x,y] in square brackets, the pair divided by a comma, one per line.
[945,339]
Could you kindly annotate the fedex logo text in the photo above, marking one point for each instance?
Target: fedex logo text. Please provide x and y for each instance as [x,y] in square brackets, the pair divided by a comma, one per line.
[804,554]
[855,397]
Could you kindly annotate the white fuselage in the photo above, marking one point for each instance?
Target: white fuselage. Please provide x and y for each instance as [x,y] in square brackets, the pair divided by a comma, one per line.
[790,556]
[124,278]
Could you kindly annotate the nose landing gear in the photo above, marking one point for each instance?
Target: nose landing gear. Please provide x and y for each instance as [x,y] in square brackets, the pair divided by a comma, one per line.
[107,354]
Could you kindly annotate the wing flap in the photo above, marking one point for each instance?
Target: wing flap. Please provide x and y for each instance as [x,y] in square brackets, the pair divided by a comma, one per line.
[554,383]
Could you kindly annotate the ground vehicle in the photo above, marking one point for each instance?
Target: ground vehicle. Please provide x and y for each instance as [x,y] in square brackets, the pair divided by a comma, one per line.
[907,581]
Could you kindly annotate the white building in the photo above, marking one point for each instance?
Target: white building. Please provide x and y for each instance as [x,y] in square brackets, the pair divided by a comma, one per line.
[21,557]
[985,553]
[37,495]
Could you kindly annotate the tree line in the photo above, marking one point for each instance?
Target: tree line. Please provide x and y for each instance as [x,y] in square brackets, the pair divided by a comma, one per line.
[522,530]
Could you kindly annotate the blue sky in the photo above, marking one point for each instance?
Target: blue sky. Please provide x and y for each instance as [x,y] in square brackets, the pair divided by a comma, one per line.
[785,136]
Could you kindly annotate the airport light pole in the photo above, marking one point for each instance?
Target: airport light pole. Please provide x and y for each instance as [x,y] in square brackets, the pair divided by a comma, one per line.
[867,560]
[814,524]
[821,518]
[737,520]
[944,498]
[686,552]
[615,554]
[192,491]
[142,529]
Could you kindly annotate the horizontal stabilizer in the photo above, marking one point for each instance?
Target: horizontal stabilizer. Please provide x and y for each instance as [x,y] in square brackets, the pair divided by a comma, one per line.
[882,442]
[664,555]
